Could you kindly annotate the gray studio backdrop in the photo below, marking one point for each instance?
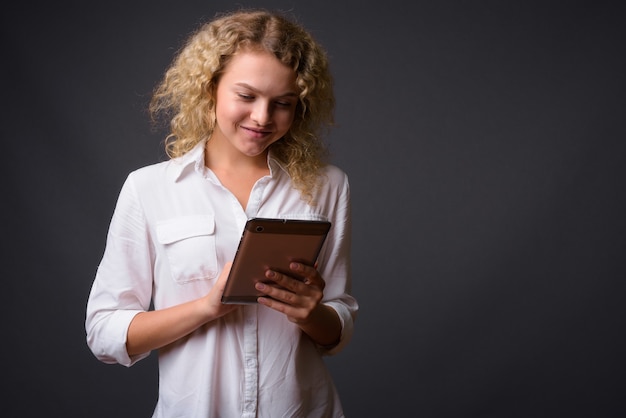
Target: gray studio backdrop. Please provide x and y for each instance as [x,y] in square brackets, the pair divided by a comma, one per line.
[485,144]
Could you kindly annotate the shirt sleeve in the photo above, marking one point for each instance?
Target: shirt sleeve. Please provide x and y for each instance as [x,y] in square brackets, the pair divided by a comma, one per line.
[336,264]
[123,283]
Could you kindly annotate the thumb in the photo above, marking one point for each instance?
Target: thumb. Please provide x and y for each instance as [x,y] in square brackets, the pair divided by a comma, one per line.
[225,271]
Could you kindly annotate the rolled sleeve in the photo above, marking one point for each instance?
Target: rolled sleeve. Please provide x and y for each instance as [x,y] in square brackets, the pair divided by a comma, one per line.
[347,315]
[123,283]
[107,337]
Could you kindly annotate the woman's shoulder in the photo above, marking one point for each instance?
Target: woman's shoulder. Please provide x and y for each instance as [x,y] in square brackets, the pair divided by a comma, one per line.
[157,175]
[334,173]
[334,178]
[172,168]
[151,170]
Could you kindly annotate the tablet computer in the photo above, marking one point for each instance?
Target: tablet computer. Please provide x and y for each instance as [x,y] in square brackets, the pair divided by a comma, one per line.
[268,243]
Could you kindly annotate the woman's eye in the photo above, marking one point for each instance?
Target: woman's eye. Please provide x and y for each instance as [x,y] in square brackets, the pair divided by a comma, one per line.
[284,104]
[246,96]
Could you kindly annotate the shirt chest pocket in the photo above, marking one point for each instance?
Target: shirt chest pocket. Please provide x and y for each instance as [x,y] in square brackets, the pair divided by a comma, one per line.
[189,245]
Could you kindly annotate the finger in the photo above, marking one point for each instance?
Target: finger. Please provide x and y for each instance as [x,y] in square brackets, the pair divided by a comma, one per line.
[225,270]
[284,281]
[310,275]
[277,293]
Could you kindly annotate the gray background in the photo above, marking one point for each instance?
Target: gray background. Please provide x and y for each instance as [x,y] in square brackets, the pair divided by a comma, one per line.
[485,143]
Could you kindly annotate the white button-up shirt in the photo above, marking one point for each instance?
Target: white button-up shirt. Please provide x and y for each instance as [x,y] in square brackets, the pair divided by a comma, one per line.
[173,229]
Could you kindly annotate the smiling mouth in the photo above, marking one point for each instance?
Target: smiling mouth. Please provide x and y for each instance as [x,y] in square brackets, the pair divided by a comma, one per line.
[257,132]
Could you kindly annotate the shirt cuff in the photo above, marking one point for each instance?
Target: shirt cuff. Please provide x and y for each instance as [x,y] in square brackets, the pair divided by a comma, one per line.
[347,328]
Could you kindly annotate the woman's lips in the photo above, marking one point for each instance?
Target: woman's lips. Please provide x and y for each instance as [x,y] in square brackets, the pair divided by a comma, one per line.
[257,133]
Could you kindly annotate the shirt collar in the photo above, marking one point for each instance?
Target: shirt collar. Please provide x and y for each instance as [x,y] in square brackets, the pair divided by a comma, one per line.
[274,165]
[194,161]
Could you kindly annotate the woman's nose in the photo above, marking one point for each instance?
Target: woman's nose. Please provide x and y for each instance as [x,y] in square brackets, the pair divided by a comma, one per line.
[261,113]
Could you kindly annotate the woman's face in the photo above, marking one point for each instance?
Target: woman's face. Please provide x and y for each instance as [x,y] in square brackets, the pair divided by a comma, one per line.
[256,102]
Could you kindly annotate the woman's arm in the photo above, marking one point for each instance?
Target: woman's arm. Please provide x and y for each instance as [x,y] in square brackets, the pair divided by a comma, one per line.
[155,329]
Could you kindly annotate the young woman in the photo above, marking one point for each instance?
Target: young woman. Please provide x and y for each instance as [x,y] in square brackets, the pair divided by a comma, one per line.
[249,98]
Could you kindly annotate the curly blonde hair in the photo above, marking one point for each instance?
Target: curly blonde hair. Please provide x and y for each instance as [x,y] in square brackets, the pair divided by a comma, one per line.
[187,94]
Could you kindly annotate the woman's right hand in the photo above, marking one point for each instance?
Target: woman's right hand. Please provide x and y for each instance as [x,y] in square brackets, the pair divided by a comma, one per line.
[154,329]
[214,303]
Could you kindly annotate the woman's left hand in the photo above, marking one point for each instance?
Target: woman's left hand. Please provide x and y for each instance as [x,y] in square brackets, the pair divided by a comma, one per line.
[297,299]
